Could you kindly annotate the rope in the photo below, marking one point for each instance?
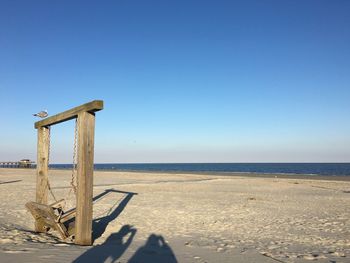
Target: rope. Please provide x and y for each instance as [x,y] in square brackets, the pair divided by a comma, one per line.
[49,187]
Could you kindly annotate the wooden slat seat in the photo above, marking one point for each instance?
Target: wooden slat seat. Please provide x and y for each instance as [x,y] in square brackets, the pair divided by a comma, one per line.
[53,216]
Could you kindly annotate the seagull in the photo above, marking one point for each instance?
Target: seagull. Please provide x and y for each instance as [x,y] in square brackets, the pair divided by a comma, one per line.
[42,114]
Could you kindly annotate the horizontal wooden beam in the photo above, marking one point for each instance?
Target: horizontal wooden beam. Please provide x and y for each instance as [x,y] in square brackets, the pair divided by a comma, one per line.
[92,106]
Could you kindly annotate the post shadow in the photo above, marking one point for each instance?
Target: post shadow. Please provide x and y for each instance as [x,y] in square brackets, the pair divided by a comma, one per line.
[99,225]
[156,250]
[113,247]
[107,191]
[10,182]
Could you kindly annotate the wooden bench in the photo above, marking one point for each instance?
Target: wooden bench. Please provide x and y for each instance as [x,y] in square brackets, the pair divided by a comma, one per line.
[53,217]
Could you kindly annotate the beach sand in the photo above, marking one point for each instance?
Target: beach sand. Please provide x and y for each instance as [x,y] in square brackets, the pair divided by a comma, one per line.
[169,217]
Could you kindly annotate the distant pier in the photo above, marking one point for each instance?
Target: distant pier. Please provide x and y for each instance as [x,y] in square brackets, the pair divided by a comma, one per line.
[24,163]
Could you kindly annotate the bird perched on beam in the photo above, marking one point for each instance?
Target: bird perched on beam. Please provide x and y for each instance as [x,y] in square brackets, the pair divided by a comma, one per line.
[42,114]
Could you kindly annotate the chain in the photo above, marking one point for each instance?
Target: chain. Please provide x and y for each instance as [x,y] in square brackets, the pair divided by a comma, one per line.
[74,166]
[48,129]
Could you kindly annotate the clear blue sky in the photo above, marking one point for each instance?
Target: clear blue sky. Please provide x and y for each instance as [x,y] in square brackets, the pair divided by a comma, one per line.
[182,81]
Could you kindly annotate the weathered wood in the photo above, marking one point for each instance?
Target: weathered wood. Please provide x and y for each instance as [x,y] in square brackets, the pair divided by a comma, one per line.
[68,215]
[85,169]
[42,171]
[92,106]
[59,204]
[45,215]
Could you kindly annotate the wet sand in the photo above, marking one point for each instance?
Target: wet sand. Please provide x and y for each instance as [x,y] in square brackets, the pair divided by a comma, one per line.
[172,217]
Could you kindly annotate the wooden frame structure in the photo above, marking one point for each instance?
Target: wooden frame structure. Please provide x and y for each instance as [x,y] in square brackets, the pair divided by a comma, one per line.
[85,115]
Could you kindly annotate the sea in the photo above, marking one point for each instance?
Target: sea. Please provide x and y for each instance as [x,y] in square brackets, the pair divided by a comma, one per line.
[321,169]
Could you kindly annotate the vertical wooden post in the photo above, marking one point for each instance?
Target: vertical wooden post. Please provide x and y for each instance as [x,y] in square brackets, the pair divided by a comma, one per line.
[85,165]
[85,169]
[42,171]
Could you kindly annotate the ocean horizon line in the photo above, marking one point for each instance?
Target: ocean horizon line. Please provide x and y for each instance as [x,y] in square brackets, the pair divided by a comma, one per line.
[329,169]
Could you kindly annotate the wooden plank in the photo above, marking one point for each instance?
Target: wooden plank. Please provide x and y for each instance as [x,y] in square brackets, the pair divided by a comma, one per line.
[85,169]
[47,217]
[42,171]
[59,204]
[92,106]
[68,216]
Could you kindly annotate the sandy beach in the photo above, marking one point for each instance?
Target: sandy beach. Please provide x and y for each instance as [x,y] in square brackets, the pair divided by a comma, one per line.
[159,217]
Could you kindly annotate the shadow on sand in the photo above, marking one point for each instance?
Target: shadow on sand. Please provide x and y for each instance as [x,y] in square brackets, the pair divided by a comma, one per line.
[10,182]
[99,225]
[156,250]
[113,248]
